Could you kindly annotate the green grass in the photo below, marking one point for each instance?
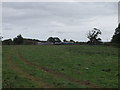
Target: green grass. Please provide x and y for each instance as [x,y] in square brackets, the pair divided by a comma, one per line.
[85,63]
[0,66]
[46,77]
[10,78]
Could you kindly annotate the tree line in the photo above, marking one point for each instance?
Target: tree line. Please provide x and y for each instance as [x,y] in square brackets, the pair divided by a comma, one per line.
[19,40]
[92,36]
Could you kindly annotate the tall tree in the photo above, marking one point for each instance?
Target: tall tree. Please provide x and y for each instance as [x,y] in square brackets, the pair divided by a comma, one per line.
[93,36]
[53,39]
[116,36]
[18,40]
[64,40]
[72,41]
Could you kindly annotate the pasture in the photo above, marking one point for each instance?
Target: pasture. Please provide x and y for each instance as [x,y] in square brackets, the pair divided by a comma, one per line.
[59,66]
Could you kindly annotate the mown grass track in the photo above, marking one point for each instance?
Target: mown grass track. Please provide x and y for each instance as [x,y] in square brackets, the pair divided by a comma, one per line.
[59,74]
[24,73]
[62,66]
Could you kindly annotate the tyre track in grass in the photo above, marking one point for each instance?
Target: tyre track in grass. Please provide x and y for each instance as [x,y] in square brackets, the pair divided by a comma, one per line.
[58,74]
[24,73]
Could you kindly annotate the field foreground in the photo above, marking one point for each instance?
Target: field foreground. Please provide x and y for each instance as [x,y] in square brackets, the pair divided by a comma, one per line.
[60,66]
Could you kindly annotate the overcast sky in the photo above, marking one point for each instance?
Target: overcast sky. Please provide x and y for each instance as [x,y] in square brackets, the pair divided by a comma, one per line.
[70,20]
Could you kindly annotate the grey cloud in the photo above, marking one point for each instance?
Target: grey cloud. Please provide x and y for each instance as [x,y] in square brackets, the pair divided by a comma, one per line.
[62,19]
[67,10]
[119,12]
[0,17]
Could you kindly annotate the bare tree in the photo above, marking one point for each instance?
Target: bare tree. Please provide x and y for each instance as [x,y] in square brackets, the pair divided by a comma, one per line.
[92,36]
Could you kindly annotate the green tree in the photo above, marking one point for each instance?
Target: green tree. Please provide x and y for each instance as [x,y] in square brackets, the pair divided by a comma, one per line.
[64,40]
[116,36]
[18,40]
[53,39]
[7,42]
[72,41]
[56,39]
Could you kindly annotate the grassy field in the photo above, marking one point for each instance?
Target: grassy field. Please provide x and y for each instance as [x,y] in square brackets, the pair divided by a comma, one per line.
[0,67]
[60,66]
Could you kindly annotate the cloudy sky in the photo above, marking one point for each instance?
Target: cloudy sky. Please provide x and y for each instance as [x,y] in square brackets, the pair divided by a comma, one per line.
[70,20]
